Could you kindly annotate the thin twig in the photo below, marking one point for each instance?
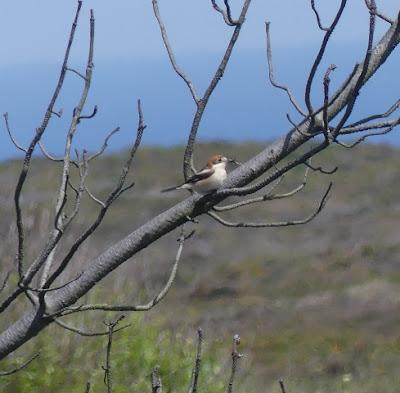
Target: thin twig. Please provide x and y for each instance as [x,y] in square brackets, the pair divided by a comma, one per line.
[107,368]
[364,70]
[19,368]
[170,52]
[326,83]
[51,157]
[320,169]
[105,145]
[45,290]
[155,379]
[383,115]
[62,221]
[271,73]
[110,199]
[5,280]
[143,307]
[93,114]
[58,114]
[317,16]
[39,132]
[197,363]
[10,134]
[87,390]
[318,58]
[95,199]
[360,128]
[225,14]
[296,127]
[188,166]
[229,14]
[378,13]
[246,190]
[269,196]
[273,224]
[85,333]
[235,358]
[282,386]
[364,137]
[76,72]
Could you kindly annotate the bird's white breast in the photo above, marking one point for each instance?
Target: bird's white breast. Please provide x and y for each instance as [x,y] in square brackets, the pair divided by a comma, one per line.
[213,182]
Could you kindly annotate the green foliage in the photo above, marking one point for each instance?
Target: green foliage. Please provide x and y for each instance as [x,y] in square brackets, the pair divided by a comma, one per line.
[316,305]
[66,364]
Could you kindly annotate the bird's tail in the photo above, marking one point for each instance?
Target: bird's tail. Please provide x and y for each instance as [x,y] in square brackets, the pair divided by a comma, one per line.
[169,189]
[180,187]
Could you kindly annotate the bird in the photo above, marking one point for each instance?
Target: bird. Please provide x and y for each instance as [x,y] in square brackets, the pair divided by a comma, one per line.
[209,179]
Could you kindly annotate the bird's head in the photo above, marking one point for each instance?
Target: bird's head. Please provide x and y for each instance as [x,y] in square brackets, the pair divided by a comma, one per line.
[219,161]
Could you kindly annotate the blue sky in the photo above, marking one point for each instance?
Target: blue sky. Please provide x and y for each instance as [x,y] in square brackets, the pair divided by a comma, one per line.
[130,62]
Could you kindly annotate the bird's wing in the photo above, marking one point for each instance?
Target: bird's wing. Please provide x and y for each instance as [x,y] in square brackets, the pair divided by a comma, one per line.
[202,175]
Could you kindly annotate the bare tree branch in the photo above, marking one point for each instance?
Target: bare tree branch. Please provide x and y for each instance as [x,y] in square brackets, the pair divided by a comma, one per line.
[85,333]
[246,190]
[384,115]
[320,169]
[318,58]
[365,127]
[155,379]
[170,52]
[202,103]
[10,134]
[95,199]
[326,83]
[5,280]
[379,14]
[269,196]
[197,363]
[62,221]
[58,114]
[363,73]
[39,132]
[273,224]
[114,194]
[93,114]
[366,136]
[143,307]
[108,381]
[271,73]
[105,145]
[225,14]
[317,16]
[34,320]
[296,127]
[48,155]
[19,368]
[87,390]
[76,73]
[282,386]
[235,358]
[44,290]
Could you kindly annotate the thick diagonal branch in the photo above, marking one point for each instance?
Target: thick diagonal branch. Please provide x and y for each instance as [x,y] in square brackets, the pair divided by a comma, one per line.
[32,322]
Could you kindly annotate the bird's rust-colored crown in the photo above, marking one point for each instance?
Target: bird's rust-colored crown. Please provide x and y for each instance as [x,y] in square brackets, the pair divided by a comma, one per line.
[214,160]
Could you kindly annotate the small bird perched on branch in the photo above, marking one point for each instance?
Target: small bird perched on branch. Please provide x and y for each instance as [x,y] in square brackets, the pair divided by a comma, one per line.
[209,179]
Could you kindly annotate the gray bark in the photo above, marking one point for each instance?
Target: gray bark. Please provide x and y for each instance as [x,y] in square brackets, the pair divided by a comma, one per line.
[33,321]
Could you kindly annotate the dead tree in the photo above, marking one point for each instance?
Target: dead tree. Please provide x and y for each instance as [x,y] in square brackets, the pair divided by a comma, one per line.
[41,281]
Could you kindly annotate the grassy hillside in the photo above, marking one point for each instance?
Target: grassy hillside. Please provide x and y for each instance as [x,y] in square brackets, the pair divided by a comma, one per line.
[317,304]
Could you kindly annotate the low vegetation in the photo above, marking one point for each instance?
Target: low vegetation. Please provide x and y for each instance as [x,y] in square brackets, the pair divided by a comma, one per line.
[316,305]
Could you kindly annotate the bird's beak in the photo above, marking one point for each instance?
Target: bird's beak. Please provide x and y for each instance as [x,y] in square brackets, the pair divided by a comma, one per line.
[234,161]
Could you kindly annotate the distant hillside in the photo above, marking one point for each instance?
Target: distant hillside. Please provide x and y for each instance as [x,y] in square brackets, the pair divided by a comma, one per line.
[315,303]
